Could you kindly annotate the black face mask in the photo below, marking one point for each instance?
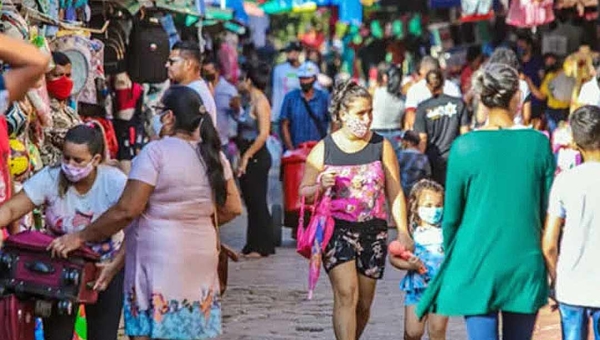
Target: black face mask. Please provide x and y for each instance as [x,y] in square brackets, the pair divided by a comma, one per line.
[210,77]
[306,87]
[552,68]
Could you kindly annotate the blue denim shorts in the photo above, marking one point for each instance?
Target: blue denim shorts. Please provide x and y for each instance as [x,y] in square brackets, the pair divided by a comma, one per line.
[575,322]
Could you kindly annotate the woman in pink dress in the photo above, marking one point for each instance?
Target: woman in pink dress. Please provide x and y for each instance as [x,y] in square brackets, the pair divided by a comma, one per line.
[175,184]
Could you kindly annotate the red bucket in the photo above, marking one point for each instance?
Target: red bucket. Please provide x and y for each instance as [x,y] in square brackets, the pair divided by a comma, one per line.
[293,170]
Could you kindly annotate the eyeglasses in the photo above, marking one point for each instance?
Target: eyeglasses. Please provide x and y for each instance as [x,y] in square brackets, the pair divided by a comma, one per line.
[161,110]
[172,61]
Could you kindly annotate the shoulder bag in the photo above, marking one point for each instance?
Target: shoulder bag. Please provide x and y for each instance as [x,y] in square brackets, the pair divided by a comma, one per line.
[314,118]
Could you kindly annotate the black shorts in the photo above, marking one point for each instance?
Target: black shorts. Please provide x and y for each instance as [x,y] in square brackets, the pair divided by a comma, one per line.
[365,243]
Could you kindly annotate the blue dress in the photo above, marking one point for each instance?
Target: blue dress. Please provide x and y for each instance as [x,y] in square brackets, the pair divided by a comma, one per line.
[429,249]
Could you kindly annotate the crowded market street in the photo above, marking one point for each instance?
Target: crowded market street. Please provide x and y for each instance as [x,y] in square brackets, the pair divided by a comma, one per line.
[266,299]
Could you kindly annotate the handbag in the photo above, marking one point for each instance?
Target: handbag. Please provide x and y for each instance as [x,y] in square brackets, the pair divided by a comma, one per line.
[320,219]
[225,253]
[314,119]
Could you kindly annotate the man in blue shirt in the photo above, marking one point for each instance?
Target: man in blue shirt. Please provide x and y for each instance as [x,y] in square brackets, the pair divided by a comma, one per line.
[304,112]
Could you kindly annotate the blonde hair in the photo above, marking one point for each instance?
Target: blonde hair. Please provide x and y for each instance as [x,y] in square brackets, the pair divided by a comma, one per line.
[415,195]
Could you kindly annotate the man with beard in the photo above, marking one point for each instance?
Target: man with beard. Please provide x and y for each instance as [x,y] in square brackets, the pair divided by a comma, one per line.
[304,113]
[184,66]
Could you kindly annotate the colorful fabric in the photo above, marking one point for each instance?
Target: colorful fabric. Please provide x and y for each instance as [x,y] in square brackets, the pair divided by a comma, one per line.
[367,245]
[358,194]
[530,13]
[63,119]
[171,279]
[429,249]
[5,187]
[174,319]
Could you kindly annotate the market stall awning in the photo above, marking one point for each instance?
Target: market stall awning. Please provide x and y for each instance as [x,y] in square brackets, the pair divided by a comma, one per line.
[236,6]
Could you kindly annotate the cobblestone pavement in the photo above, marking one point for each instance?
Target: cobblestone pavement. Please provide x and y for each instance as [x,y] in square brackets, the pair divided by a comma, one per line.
[266,298]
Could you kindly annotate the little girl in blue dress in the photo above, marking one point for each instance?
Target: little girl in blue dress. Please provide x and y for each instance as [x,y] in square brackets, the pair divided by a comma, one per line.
[426,204]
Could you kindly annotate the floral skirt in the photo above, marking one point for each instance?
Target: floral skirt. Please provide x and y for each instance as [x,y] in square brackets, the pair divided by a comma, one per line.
[172,319]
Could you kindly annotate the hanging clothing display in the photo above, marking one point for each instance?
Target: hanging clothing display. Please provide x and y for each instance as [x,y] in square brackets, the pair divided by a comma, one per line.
[530,13]
[476,10]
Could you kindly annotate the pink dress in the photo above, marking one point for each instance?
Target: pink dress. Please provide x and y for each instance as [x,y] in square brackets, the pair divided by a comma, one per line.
[171,281]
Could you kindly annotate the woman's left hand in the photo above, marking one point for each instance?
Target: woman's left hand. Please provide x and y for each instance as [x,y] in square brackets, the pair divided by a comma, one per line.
[243,165]
[62,246]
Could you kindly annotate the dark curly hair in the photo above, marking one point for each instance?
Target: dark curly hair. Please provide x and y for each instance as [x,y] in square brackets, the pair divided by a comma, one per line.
[415,195]
[345,93]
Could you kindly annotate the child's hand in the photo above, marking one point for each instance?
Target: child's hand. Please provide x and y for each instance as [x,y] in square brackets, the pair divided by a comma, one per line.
[415,264]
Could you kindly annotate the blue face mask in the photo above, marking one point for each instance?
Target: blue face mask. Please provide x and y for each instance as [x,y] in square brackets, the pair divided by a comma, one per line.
[157,125]
[431,215]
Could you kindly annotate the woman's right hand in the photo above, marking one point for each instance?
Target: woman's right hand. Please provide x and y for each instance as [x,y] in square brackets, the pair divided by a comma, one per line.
[327,179]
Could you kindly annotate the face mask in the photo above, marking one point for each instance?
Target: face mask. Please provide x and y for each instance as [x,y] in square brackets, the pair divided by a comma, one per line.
[157,125]
[551,68]
[520,51]
[306,87]
[431,215]
[60,88]
[357,126]
[209,77]
[74,173]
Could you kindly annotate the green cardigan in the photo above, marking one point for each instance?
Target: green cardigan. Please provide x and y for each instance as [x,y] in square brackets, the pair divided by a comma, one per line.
[497,190]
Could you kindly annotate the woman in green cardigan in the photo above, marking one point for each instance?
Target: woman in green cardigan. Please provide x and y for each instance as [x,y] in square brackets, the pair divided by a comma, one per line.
[497,188]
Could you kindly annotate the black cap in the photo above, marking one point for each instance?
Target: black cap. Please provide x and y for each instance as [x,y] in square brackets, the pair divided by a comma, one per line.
[293,46]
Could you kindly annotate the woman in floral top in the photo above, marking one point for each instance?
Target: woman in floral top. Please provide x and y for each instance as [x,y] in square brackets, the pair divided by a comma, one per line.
[59,86]
[361,171]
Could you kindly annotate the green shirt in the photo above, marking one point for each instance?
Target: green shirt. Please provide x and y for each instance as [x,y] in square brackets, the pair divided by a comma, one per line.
[497,190]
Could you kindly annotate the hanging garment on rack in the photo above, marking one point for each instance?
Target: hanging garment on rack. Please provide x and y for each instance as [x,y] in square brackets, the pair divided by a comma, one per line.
[530,13]
[13,24]
[476,10]
[441,4]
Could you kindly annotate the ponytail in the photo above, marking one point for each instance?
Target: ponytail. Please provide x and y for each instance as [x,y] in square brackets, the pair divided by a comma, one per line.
[209,148]
[190,114]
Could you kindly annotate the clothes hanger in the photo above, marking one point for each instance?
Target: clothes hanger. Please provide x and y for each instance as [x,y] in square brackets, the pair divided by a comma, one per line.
[36,15]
